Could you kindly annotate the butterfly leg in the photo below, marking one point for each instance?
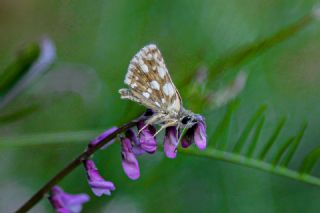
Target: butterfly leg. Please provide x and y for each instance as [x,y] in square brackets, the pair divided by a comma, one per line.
[151,121]
[172,123]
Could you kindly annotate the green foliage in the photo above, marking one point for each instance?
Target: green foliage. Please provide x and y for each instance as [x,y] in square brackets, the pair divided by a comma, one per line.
[275,42]
[275,165]
[310,161]
[240,143]
[219,143]
[18,68]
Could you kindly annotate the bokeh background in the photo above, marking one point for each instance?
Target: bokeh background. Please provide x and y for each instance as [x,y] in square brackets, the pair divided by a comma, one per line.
[78,98]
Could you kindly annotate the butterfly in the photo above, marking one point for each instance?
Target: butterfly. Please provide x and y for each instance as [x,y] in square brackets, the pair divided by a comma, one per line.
[151,86]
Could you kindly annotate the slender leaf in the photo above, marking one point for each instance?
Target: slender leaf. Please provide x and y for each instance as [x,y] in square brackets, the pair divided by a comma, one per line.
[25,58]
[33,61]
[310,160]
[224,125]
[276,158]
[272,139]
[294,146]
[245,134]
[255,138]
[253,163]
[238,57]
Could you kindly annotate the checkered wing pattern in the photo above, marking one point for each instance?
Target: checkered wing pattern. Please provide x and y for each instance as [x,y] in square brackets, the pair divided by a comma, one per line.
[150,83]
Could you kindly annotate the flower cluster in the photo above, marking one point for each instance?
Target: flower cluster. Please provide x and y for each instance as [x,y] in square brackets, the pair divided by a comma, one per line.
[134,144]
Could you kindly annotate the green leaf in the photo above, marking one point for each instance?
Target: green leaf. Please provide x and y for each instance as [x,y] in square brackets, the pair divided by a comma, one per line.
[257,47]
[294,146]
[245,134]
[272,139]
[19,67]
[281,150]
[31,62]
[253,163]
[310,161]
[255,138]
[224,126]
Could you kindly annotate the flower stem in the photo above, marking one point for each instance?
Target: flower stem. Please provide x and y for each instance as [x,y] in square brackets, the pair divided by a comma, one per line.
[71,166]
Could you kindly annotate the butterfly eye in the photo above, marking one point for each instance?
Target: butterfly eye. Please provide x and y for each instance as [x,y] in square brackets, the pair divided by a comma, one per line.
[185,120]
[148,112]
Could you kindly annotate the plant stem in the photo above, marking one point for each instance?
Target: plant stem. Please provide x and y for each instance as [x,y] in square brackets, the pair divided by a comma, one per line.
[253,163]
[209,153]
[71,166]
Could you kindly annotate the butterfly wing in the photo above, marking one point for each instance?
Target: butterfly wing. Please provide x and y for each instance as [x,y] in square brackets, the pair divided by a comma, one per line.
[150,83]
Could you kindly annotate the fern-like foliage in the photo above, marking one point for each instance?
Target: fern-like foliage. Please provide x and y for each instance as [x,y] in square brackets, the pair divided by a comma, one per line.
[262,153]
[250,149]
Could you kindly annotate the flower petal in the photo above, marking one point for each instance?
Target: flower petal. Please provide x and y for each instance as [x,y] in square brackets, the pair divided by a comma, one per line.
[130,163]
[97,183]
[132,136]
[64,202]
[103,136]
[200,137]
[62,210]
[74,202]
[147,140]
[187,139]
[136,149]
[170,142]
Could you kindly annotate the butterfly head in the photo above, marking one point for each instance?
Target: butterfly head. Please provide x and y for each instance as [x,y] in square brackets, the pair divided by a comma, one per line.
[188,119]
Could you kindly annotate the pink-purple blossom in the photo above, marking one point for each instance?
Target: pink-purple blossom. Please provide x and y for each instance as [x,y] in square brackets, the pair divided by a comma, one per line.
[135,142]
[146,137]
[130,163]
[196,134]
[97,183]
[170,142]
[200,136]
[63,202]
[103,136]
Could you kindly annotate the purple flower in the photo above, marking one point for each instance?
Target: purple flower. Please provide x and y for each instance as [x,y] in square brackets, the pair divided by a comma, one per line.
[136,145]
[197,134]
[130,163]
[188,138]
[132,136]
[97,183]
[170,142]
[200,136]
[63,202]
[103,136]
[147,140]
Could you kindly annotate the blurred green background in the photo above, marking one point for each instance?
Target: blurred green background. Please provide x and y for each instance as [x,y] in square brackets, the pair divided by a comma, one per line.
[95,41]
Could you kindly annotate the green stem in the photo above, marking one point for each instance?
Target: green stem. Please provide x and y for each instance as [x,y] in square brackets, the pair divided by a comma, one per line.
[253,163]
[75,137]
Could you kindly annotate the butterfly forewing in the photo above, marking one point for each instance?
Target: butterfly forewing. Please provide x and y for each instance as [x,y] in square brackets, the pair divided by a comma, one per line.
[150,83]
